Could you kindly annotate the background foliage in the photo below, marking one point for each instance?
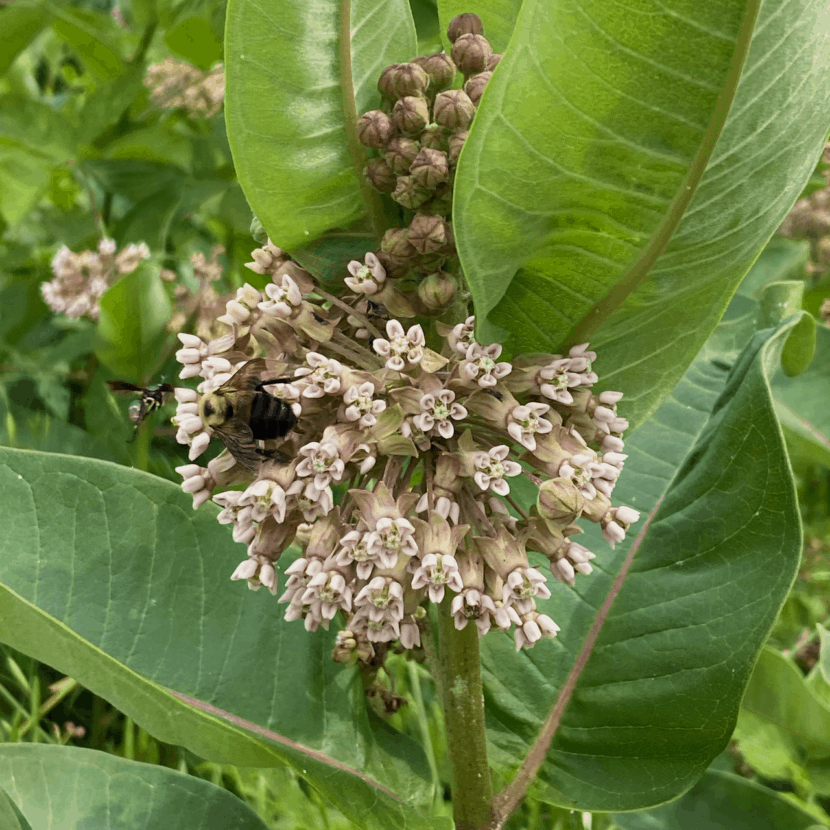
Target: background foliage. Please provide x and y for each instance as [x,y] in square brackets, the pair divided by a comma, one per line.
[641,224]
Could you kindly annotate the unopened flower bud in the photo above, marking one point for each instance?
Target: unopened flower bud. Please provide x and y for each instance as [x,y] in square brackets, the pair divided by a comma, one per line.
[475,85]
[471,53]
[559,501]
[380,175]
[406,79]
[374,129]
[409,193]
[441,70]
[395,267]
[395,242]
[258,232]
[385,82]
[433,137]
[427,234]
[430,168]
[454,109]
[411,114]
[400,153]
[493,61]
[455,143]
[437,291]
[464,24]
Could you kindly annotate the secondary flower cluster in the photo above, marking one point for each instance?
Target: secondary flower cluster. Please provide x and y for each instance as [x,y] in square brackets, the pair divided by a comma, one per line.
[401,469]
[81,279]
[176,84]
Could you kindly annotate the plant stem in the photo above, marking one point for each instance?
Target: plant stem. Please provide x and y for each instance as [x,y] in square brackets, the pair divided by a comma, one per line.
[464,717]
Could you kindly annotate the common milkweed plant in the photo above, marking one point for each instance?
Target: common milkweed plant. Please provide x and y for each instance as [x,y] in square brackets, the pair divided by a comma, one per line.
[530,458]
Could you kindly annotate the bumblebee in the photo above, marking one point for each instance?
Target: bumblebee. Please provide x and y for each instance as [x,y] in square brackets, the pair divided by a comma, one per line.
[240,412]
[149,400]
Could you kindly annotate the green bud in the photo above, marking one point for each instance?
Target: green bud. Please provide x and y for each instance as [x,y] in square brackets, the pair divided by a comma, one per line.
[380,175]
[430,168]
[400,153]
[375,129]
[385,82]
[437,291]
[259,233]
[464,24]
[395,267]
[471,53]
[434,137]
[409,79]
[441,70]
[454,109]
[409,193]
[559,501]
[395,242]
[411,114]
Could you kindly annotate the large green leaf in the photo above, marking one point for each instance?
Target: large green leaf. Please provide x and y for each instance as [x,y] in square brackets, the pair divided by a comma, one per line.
[20,23]
[722,801]
[626,165]
[290,89]
[64,788]
[111,577]
[784,727]
[644,682]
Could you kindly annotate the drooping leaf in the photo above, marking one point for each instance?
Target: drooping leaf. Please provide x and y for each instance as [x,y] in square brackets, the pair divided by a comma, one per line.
[658,644]
[194,41]
[20,23]
[128,592]
[605,190]
[64,788]
[288,95]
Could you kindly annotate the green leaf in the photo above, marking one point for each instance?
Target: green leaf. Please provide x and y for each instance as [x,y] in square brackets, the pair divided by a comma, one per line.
[605,192]
[680,610]
[90,34]
[722,801]
[21,23]
[288,98]
[195,41]
[327,257]
[110,577]
[10,816]
[802,405]
[64,788]
[131,327]
[784,727]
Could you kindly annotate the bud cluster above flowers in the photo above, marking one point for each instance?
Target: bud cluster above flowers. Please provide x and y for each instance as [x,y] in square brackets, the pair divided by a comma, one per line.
[397,482]
[176,84]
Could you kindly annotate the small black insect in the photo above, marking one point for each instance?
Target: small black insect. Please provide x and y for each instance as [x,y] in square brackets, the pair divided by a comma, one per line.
[149,400]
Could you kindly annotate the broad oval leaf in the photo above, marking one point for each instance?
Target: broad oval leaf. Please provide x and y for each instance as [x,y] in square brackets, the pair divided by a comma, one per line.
[290,105]
[625,167]
[110,576]
[63,788]
[644,682]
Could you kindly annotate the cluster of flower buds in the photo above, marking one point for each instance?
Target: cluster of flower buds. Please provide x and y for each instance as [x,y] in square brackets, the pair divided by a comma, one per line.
[81,279]
[416,138]
[396,481]
[179,85]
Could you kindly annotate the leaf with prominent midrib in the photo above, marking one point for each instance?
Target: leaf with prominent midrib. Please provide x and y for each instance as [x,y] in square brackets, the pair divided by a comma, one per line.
[288,98]
[109,576]
[626,165]
[643,684]
[64,788]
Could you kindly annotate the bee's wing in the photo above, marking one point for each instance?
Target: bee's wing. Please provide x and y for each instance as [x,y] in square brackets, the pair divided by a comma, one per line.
[238,437]
[248,376]
[121,387]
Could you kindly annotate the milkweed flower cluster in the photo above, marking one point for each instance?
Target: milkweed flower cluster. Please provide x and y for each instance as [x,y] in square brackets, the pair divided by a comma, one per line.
[81,279]
[176,84]
[398,482]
